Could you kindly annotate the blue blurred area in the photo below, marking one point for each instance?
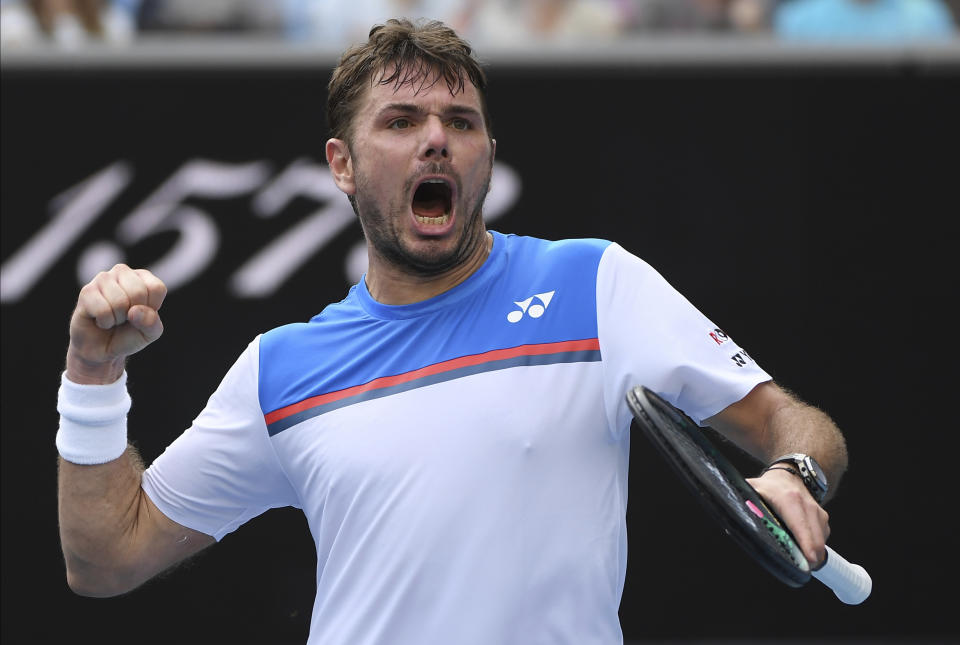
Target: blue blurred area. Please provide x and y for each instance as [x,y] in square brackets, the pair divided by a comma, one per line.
[864,20]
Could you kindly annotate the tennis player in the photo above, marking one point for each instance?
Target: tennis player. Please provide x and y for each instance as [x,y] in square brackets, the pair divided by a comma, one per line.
[455,430]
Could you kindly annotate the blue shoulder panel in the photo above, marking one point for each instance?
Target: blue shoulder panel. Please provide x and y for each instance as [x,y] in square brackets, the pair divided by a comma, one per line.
[530,299]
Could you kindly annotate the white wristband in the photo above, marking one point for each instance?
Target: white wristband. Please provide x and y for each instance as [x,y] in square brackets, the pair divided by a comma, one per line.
[93,421]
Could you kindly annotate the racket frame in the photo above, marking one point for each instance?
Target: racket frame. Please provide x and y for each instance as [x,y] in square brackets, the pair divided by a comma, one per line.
[765,537]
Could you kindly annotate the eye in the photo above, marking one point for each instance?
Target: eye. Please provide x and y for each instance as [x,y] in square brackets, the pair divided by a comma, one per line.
[400,124]
[460,124]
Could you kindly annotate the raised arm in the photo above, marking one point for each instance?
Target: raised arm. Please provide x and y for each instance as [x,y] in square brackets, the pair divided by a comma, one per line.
[113,537]
[769,423]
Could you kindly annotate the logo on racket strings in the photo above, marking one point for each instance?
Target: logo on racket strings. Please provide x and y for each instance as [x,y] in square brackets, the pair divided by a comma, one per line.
[530,308]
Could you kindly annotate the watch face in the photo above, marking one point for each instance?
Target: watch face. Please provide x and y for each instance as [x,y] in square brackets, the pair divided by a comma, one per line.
[810,472]
[818,479]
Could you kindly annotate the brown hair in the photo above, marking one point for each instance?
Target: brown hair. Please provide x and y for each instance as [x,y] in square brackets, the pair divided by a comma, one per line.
[402,52]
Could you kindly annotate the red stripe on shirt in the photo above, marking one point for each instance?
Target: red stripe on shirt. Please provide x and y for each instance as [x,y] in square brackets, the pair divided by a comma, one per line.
[436,368]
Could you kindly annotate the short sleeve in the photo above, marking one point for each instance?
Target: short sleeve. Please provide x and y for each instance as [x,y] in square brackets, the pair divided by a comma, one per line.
[223,470]
[651,335]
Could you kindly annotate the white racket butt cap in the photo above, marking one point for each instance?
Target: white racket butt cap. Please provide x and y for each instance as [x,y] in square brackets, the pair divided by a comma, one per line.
[850,582]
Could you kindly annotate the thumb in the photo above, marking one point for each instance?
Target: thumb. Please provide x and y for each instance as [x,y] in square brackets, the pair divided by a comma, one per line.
[146,320]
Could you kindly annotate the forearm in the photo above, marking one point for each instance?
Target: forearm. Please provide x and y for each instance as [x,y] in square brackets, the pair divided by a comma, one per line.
[805,429]
[769,423]
[114,538]
[99,507]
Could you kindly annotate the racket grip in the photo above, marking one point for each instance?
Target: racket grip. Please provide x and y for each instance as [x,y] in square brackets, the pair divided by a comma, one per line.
[850,582]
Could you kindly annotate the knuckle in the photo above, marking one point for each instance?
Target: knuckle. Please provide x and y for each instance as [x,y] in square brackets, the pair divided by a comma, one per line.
[152,281]
[135,292]
[96,307]
[88,304]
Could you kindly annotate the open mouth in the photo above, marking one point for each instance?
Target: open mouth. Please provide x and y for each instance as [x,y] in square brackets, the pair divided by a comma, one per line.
[433,201]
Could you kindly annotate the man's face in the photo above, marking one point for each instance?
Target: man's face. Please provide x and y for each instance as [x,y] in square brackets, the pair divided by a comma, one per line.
[418,166]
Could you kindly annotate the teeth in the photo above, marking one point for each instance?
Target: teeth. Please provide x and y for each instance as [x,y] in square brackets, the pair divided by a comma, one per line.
[434,181]
[433,220]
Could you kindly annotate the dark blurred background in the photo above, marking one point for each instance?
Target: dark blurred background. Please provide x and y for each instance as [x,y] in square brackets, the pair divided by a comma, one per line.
[800,187]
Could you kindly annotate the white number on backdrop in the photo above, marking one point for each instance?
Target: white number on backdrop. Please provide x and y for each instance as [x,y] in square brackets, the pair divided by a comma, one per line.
[164,211]
[263,273]
[74,211]
[198,241]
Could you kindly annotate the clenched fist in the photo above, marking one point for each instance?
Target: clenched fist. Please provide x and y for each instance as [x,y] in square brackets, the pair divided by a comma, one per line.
[116,316]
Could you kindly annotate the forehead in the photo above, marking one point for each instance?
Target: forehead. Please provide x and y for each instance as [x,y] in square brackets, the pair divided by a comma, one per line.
[425,87]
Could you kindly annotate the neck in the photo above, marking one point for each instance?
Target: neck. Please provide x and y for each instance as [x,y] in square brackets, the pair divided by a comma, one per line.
[390,285]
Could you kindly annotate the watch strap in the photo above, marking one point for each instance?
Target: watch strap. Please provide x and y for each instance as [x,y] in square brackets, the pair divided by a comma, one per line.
[811,480]
[779,466]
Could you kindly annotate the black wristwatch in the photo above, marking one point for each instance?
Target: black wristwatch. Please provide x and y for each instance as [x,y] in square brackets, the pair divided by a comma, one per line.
[809,471]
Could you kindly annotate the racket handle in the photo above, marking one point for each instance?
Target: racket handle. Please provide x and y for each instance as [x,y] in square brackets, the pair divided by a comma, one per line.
[850,582]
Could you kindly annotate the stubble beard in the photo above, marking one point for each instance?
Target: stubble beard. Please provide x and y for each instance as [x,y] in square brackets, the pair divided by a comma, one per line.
[383,234]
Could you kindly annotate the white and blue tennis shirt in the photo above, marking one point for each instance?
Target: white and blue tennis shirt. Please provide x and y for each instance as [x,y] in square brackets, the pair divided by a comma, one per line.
[462,461]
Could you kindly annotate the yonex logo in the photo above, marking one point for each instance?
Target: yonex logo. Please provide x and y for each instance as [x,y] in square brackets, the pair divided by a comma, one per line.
[533,310]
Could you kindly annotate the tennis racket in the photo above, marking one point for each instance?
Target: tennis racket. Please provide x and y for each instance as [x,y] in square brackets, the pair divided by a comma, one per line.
[735,504]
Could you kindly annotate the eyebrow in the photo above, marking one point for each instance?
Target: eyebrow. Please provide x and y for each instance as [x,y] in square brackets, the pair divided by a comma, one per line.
[413,108]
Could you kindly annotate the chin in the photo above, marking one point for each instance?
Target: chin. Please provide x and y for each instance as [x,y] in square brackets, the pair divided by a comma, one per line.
[433,254]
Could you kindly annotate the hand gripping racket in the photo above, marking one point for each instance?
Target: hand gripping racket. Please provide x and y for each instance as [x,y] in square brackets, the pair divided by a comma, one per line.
[735,504]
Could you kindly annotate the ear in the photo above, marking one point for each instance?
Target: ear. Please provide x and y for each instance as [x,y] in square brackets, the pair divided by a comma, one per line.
[341,165]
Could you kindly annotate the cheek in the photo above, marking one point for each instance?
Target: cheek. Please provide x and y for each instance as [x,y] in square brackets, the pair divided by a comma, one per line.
[377,184]
[480,176]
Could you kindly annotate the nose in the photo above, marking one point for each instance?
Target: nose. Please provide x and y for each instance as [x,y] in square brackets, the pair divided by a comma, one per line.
[435,144]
